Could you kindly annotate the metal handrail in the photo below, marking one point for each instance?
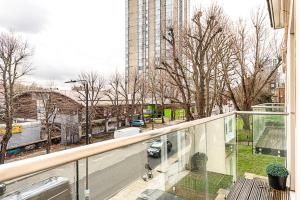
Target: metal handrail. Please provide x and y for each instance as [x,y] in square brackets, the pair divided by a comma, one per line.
[266,104]
[269,105]
[28,166]
[261,113]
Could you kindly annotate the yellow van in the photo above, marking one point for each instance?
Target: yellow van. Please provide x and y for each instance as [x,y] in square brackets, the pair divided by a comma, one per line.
[15,129]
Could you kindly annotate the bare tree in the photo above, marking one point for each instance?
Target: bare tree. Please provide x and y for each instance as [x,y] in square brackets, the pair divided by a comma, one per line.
[220,57]
[126,99]
[158,84]
[14,55]
[178,72]
[143,90]
[193,68]
[161,92]
[49,114]
[199,49]
[134,96]
[256,60]
[95,85]
[19,87]
[114,93]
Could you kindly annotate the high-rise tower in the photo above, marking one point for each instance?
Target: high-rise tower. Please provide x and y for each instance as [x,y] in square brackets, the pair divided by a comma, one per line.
[146,22]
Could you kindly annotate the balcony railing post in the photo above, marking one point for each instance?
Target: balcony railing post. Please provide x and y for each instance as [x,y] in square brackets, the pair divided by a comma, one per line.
[236,145]
[77,180]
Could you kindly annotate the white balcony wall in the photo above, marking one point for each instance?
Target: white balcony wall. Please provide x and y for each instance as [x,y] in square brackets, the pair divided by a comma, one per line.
[215,138]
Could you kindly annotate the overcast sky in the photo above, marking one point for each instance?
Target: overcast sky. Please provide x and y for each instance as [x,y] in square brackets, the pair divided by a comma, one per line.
[72,36]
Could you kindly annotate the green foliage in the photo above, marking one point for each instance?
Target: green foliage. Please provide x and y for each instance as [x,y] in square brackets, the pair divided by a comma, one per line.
[200,156]
[199,161]
[244,136]
[277,170]
[202,183]
[276,122]
[254,163]
[240,122]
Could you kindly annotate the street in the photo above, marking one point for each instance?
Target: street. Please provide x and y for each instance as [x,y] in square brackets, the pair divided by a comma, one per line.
[111,172]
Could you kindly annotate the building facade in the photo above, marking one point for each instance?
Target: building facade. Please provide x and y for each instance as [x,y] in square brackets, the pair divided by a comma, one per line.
[30,105]
[146,23]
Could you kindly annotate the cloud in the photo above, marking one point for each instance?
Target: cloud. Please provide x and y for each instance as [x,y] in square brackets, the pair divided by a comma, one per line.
[22,16]
[68,36]
[53,72]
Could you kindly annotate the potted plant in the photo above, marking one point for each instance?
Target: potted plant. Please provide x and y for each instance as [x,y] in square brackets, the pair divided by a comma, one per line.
[277,175]
[199,161]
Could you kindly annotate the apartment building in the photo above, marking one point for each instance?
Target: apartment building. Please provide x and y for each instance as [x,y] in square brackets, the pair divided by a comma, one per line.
[283,15]
[146,22]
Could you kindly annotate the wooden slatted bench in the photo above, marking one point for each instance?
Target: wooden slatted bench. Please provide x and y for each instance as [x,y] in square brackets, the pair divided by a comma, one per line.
[255,189]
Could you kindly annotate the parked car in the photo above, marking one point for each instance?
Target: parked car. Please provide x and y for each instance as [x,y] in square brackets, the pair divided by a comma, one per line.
[154,149]
[138,123]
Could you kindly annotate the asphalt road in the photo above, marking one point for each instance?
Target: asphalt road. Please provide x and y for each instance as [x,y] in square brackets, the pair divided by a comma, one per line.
[153,162]
[109,180]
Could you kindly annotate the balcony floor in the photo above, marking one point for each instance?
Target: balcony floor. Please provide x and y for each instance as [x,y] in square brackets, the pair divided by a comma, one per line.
[255,189]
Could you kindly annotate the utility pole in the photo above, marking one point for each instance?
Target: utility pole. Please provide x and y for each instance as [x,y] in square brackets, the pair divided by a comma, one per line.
[86,87]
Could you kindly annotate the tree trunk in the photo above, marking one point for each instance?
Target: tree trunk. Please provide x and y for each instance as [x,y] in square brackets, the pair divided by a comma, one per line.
[5,139]
[221,109]
[245,117]
[162,113]
[188,113]
[48,147]
[118,121]
[173,113]
[4,144]
[106,125]
[246,122]
[220,104]
[90,132]
[201,113]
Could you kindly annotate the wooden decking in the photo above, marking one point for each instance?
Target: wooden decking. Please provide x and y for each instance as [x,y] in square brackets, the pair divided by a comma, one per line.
[255,189]
[272,142]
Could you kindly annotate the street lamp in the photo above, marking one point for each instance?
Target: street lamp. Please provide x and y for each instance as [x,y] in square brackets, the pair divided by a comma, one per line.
[86,138]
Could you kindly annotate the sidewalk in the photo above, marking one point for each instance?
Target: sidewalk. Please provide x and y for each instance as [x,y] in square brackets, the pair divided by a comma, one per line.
[39,152]
[160,180]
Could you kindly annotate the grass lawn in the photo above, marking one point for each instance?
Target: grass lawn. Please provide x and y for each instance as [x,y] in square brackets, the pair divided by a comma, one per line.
[197,183]
[240,122]
[254,163]
[244,136]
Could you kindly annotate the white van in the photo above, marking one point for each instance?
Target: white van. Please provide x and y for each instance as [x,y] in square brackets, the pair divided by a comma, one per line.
[126,132]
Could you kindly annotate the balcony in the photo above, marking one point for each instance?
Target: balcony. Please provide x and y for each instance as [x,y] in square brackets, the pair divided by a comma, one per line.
[200,159]
[269,107]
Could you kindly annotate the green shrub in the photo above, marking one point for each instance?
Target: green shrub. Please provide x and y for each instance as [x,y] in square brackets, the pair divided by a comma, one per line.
[199,161]
[277,170]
